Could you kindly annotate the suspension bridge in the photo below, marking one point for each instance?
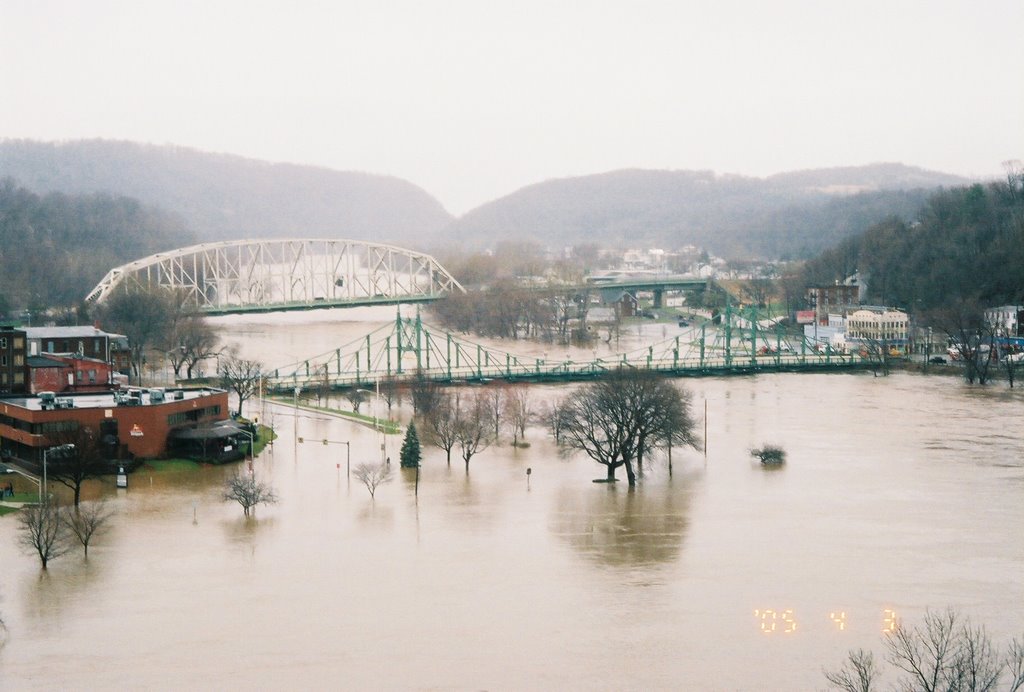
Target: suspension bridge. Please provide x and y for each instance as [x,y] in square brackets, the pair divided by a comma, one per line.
[409,349]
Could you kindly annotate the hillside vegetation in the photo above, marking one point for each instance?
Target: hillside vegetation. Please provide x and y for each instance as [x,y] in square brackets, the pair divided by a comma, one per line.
[966,245]
[788,216]
[54,248]
[222,197]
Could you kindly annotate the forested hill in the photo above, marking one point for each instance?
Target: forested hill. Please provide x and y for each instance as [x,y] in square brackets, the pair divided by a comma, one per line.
[222,197]
[792,215]
[966,246]
[54,248]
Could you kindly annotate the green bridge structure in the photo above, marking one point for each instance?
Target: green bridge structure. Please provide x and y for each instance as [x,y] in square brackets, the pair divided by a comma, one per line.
[407,350]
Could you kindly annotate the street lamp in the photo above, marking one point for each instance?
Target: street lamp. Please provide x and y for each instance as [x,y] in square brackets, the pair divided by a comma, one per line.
[376,427]
[46,451]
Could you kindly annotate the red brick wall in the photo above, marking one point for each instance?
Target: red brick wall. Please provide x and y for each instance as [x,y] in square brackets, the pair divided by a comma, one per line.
[151,421]
[48,379]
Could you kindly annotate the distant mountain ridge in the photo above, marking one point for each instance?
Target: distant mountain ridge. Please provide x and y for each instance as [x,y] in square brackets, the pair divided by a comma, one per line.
[795,215]
[225,197]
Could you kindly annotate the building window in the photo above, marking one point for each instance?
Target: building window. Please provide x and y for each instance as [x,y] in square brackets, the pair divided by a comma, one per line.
[49,347]
[3,360]
[3,342]
[19,377]
[19,360]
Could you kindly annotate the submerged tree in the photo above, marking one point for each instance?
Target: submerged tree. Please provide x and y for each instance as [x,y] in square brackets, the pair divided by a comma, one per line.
[472,427]
[372,475]
[441,425]
[241,376]
[42,531]
[620,418]
[248,492]
[78,456]
[86,521]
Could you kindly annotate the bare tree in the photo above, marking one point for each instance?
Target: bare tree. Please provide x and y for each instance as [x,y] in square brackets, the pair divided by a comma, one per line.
[619,418]
[241,376]
[945,652]
[1014,663]
[390,391]
[144,314]
[441,429]
[80,457]
[517,410]
[248,492]
[43,531]
[372,475]
[972,339]
[858,674]
[86,521]
[495,406]
[425,395]
[472,427]
[356,397]
[190,341]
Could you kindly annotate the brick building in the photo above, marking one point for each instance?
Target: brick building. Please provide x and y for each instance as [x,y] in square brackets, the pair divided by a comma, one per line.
[90,342]
[141,421]
[68,373]
[12,360]
[837,298]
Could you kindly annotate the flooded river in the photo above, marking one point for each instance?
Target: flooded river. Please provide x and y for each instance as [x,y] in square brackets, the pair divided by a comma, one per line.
[899,494]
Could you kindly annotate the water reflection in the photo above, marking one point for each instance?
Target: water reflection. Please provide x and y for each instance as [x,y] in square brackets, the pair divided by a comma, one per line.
[623,528]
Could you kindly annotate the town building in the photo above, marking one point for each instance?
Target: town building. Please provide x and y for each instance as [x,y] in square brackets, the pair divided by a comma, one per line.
[832,298]
[12,360]
[68,373]
[61,359]
[138,423]
[878,324]
[1006,320]
[87,341]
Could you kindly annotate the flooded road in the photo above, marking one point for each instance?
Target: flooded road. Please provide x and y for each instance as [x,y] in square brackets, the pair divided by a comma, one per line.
[899,494]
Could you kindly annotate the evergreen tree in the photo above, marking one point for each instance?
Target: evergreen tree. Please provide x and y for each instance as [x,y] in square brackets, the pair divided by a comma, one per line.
[410,455]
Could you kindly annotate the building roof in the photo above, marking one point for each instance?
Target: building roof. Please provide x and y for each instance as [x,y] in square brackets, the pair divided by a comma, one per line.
[44,362]
[78,332]
[217,431]
[106,399]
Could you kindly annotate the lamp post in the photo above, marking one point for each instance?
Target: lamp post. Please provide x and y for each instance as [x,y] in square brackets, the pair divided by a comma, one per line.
[377,427]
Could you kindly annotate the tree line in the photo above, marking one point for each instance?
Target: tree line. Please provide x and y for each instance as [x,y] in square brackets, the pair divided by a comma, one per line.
[55,248]
[966,246]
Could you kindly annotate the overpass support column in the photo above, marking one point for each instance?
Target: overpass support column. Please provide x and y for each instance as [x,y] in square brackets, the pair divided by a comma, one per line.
[659,298]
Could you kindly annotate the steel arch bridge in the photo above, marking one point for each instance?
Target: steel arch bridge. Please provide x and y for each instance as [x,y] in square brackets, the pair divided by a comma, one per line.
[270,275]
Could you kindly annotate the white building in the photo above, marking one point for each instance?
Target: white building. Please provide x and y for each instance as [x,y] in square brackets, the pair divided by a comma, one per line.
[880,324]
[1005,319]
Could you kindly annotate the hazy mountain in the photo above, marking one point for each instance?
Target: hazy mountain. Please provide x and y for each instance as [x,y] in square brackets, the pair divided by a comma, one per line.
[220,197]
[55,247]
[788,215]
[223,197]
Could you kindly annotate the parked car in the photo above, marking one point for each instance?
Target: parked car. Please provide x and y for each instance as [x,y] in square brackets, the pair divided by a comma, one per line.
[937,360]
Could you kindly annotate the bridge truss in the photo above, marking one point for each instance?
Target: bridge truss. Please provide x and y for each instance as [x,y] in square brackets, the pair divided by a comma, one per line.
[266,275]
[408,349]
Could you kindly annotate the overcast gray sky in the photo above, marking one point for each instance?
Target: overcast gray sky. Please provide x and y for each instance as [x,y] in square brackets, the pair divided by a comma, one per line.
[473,100]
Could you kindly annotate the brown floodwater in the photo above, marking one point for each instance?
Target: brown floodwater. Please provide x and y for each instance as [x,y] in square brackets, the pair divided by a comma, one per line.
[899,494]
